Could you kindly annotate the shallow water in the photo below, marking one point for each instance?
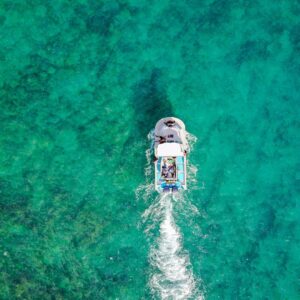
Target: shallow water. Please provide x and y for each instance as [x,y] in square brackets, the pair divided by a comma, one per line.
[81,85]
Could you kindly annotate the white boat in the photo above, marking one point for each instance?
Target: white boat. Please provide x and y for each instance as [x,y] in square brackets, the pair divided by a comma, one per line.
[170,150]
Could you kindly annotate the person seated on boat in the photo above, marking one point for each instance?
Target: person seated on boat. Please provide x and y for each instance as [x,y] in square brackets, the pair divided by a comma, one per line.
[170,160]
[164,168]
[171,171]
[164,171]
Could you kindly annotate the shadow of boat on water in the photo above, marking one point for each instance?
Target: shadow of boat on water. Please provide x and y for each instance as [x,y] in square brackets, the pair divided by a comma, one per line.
[150,103]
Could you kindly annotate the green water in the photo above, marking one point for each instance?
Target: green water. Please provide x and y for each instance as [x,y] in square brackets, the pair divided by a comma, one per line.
[81,85]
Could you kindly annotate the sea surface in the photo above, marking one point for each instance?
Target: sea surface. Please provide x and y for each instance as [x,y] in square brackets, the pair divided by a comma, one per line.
[82,84]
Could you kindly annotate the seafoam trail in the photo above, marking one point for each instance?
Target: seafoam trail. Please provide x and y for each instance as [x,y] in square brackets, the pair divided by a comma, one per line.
[172,277]
[171,271]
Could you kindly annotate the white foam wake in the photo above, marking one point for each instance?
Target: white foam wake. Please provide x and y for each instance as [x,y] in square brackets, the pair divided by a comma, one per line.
[172,277]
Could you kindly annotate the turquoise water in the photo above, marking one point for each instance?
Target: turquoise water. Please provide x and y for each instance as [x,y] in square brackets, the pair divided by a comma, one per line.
[82,83]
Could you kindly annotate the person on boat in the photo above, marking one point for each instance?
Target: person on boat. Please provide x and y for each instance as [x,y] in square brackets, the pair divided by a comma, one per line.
[171,171]
[164,172]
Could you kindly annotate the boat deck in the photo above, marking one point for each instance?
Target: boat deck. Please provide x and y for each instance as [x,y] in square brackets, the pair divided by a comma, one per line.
[170,173]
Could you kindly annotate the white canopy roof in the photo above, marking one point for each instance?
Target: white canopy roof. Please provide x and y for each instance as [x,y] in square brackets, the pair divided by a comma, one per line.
[169,149]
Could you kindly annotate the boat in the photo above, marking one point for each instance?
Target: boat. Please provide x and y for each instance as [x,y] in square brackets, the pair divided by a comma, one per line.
[170,151]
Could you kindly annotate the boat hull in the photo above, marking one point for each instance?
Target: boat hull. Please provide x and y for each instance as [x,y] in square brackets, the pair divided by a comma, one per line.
[170,150]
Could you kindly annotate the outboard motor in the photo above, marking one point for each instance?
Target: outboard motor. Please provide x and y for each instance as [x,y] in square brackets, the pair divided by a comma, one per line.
[175,189]
[167,190]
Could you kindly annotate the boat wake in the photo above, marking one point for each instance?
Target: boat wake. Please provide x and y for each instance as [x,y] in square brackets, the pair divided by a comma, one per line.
[171,274]
[172,277]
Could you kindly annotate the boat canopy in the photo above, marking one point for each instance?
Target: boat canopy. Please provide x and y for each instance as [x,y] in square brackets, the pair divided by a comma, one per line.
[169,149]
